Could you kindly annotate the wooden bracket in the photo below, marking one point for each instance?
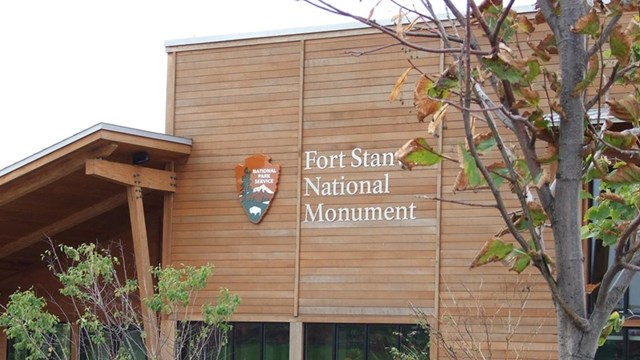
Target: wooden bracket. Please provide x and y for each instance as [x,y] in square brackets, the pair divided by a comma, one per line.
[132,175]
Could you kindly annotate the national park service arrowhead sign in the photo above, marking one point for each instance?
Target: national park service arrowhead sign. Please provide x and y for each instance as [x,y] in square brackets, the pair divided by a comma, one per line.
[257,183]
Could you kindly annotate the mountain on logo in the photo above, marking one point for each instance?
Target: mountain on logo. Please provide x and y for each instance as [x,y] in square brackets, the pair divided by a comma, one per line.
[263,188]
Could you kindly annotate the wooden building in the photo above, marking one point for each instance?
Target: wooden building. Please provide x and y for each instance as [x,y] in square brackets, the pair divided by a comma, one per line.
[348,246]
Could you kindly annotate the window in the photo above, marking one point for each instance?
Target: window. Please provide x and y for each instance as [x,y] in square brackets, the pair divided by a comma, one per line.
[252,341]
[626,344]
[362,341]
[110,342]
[61,348]
[622,346]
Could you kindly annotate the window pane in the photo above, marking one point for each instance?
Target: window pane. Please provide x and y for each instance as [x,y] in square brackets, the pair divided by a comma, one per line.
[276,341]
[381,339]
[318,341]
[415,341]
[247,341]
[350,342]
[634,344]
[612,349]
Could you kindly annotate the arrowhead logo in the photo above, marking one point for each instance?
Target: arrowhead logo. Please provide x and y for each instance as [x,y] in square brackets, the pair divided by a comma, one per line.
[257,183]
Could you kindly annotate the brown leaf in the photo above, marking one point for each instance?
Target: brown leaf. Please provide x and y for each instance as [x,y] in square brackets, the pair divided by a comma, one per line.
[530,95]
[548,44]
[425,105]
[588,24]
[633,29]
[539,18]
[438,118]
[612,197]
[461,183]
[589,288]
[524,24]
[625,174]
[627,108]
[398,86]
[485,4]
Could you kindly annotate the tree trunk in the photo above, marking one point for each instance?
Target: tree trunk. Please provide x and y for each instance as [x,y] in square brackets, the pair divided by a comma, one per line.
[567,220]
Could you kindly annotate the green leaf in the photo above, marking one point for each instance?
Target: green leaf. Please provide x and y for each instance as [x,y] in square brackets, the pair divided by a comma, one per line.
[518,259]
[623,140]
[592,72]
[484,142]
[502,69]
[417,152]
[493,250]
[471,170]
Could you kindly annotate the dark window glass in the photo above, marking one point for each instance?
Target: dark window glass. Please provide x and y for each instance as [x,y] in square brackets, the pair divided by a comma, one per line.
[363,341]
[247,341]
[319,341]
[350,342]
[634,344]
[381,338]
[110,343]
[60,341]
[415,341]
[276,341]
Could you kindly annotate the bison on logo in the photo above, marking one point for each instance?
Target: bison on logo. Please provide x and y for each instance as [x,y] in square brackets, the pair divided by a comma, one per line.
[257,183]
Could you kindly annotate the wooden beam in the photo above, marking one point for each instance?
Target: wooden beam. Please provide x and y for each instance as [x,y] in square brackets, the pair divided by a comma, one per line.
[143,265]
[132,175]
[63,224]
[56,171]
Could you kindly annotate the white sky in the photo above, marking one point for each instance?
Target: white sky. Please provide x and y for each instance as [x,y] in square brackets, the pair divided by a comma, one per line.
[69,64]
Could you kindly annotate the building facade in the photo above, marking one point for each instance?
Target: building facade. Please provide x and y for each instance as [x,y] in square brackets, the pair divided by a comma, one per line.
[278,168]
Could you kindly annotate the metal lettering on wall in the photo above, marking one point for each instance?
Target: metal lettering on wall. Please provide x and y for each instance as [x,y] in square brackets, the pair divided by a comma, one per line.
[339,185]
[257,183]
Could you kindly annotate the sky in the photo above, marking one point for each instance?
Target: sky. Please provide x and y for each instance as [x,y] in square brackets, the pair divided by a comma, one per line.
[67,65]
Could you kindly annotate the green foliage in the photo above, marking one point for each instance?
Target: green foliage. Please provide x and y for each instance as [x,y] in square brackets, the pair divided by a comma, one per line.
[88,267]
[106,305]
[176,286]
[614,208]
[614,324]
[27,322]
[417,152]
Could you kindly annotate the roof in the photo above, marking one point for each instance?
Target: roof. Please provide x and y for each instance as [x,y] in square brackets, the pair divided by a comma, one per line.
[56,193]
[301,32]
[94,129]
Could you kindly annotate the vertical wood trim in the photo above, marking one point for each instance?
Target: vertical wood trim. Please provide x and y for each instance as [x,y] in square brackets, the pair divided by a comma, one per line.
[171,94]
[167,225]
[296,340]
[167,325]
[143,265]
[436,300]
[75,342]
[3,345]
[296,287]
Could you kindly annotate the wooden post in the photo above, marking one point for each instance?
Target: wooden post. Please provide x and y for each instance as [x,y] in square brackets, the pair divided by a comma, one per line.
[3,345]
[167,338]
[75,342]
[143,265]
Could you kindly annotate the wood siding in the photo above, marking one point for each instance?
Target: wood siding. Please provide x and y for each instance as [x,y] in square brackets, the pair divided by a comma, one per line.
[288,98]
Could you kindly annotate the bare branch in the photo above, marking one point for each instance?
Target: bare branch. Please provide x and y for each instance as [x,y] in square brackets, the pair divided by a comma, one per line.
[457,202]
